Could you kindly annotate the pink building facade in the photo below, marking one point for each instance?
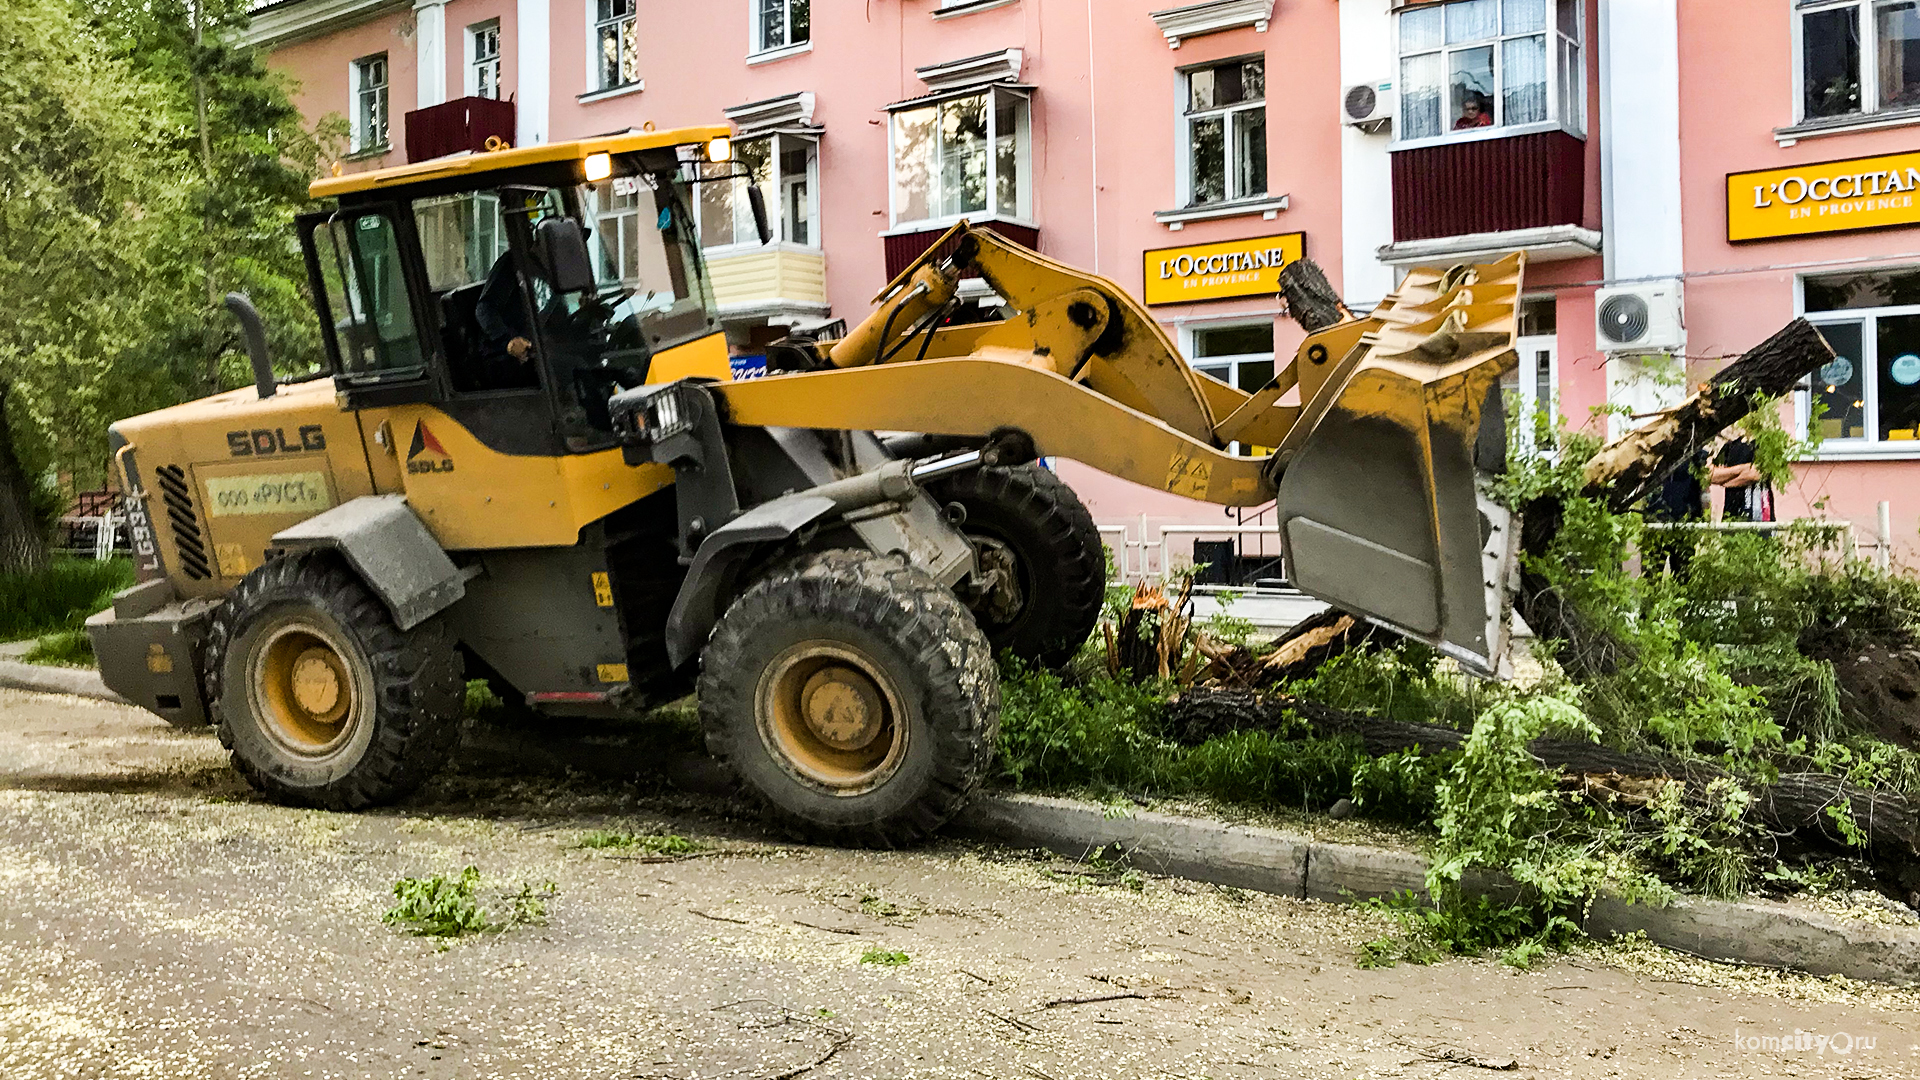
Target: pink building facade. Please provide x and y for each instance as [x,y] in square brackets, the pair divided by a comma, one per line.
[1610,139]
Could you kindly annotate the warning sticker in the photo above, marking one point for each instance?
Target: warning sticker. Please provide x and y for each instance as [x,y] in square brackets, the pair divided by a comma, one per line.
[270,493]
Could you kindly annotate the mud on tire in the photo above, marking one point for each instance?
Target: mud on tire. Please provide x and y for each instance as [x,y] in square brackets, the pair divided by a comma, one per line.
[853,696]
[323,701]
[1059,564]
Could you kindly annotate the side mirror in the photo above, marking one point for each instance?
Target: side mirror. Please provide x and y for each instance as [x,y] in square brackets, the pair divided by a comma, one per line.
[562,250]
[757,202]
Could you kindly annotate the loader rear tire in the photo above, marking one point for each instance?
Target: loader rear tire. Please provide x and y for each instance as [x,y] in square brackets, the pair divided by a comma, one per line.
[1030,517]
[323,701]
[853,696]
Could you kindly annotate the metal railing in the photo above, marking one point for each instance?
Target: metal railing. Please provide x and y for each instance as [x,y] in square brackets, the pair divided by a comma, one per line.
[1850,538]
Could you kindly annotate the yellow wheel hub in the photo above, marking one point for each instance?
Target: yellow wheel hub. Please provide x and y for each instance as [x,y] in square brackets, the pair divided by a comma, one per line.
[304,689]
[831,716]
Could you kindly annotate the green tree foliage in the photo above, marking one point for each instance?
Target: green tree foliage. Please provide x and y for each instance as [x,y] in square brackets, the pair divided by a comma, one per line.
[127,211]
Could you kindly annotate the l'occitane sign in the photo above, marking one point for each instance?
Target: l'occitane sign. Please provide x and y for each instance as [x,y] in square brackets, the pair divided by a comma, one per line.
[1215,271]
[1833,196]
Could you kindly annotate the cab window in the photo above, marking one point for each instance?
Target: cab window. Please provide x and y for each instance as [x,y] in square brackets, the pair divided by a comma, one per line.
[366,292]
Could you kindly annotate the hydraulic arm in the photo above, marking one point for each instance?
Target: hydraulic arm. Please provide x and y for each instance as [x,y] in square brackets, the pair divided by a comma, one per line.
[1382,427]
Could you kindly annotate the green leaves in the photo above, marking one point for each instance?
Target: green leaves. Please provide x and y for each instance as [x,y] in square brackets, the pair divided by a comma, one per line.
[450,908]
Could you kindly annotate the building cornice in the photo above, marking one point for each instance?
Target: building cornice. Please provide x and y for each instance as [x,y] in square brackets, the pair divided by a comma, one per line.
[298,20]
[785,111]
[1212,17]
[1002,66]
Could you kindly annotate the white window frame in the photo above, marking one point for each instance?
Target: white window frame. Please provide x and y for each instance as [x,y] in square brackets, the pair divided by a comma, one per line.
[1183,136]
[1565,111]
[1023,149]
[595,72]
[1189,346]
[776,206]
[360,140]
[757,42]
[1870,106]
[1531,351]
[474,61]
[1869,445]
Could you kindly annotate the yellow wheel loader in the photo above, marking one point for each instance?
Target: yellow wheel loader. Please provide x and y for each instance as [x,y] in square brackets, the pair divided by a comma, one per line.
[528,461]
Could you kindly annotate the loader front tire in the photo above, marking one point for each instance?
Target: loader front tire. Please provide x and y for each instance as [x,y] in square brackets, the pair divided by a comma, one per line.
[853,696]
[320,698]
[1026,523]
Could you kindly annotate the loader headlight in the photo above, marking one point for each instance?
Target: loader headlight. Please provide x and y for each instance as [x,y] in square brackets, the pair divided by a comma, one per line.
[650,414]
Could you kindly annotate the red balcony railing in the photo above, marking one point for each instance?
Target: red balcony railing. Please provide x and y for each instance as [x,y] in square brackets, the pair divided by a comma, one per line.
[903,248]
[461,124]
[1489,185]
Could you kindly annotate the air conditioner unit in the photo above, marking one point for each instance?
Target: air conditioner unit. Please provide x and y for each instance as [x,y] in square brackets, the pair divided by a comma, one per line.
[1367,105]
[1639,318]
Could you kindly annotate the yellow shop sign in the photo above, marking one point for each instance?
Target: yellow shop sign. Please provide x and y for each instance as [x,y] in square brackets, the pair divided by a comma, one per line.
[1833,196]
[1216,271]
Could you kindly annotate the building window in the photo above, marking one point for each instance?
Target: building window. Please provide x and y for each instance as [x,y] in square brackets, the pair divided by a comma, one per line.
[370,102]
[1532,387]
[483,60]
[1870,391]
[1226,131]
[963,156]
[785,168]
[617,41]
[1474,66]
[1838,77]
[1240,356]
[778,24]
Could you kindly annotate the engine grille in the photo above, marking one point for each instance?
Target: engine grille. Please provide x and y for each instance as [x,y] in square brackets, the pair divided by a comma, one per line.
[188,540]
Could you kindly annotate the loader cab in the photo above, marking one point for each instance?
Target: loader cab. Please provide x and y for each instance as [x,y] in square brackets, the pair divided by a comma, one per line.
[517,300]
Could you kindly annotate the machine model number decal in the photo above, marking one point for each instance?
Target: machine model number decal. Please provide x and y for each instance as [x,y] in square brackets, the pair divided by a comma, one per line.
[273,493]
[307,437]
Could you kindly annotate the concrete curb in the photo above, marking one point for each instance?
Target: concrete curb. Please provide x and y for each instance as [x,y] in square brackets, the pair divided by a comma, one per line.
[1760,933]
[83,682]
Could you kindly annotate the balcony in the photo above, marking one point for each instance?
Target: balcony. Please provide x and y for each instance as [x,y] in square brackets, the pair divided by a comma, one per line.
[904,247]
[1467,198]
[463,124]
[781,282]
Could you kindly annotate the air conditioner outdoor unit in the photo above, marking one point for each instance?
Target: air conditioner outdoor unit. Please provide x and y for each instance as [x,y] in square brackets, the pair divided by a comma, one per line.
[1639,318]
[1368,106]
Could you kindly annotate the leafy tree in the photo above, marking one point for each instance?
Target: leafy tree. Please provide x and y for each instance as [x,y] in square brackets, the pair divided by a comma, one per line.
[147,166]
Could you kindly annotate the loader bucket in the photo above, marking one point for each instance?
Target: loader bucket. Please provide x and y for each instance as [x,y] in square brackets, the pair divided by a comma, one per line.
[1382,484]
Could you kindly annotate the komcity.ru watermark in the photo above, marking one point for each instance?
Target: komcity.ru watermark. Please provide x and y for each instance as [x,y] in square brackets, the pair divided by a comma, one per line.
[1803,1042]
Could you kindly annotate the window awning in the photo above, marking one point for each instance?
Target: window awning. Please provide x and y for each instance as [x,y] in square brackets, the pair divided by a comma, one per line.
[948,95]
[789,113]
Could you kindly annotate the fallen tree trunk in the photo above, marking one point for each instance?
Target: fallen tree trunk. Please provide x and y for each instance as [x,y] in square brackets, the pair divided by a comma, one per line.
[1625,470]
[1796,805]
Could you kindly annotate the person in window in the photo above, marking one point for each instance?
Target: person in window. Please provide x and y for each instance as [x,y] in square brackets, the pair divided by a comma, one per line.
[1476,111]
